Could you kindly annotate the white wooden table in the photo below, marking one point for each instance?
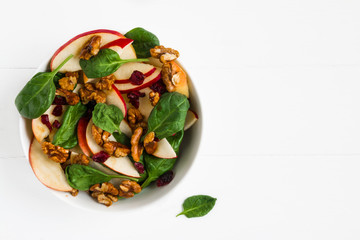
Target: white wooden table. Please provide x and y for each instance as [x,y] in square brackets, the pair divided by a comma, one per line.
[279,83]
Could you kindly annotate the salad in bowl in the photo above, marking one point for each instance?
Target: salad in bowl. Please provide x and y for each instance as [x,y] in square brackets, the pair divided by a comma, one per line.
[109,116]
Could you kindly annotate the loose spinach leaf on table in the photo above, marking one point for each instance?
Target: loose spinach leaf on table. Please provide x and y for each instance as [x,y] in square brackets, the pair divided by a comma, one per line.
[143,41]
[197,206]
[82,177]
[38,94]
[107,117]
[66,135]
[168,116]
[106,62]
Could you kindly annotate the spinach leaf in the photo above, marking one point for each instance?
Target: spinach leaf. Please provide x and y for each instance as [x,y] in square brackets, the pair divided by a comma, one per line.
[66,135]
[175,140]
[143,41]
[122,138]
[83,177]
[38,94]
[168,116]
[57,77]
[197,206]
[107,117]
[106,62]
[156,167]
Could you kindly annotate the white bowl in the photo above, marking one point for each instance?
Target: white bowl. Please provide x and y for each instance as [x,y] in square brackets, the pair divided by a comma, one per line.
[149,195]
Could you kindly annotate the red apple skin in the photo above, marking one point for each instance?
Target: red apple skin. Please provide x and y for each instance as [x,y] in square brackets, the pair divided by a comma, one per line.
[121,98]
[82,35]
[81,133]
[121,42]
[148,84]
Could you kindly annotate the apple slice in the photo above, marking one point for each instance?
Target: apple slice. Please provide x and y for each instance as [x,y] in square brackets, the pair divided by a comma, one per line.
[46,170]
[191,118]
[40,130]
[81,134]
[124,72]
[122,165]
[145,106]
[164,150]
[114,97]
[148,81]
[74,46]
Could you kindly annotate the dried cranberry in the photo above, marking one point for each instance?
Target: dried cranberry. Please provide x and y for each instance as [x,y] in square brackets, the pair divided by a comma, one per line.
[56,124]
[139,167]
[100,157]
[137,78]
[165,179]
[57,111]
[134,98]
[90,108]
[45,120]
[159,87]
[59,100]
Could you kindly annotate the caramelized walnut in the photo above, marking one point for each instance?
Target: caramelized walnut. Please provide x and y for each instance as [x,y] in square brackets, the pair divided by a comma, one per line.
[105,193]
[71,98]
[149,143]
[164,54]
[154,97]
[116,149]
[80,159]
[167,76]
[100,136]
[74,192]
[69,81]
[135,118]
[105,83]
[129,188]
[91,48]
[88,93]
[55,153]
[136,147]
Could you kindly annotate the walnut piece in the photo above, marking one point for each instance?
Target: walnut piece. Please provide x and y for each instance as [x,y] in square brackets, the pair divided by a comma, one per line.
[71,98]
[74,192]
[136,147]
[80,159]
[129,188]
[100,136]
[154,97]
[105,83]
[55,153]
[116,149]
[135,118]
[149,143]
[164,54]
[167,76]
[91,48]
[69,81]
[105,193]
[88,93]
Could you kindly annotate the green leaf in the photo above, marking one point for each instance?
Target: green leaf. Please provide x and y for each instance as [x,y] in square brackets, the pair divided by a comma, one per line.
[122,138]
[106,62]
[168,116]
[66,135]
[143,41]
[175,140]
[107,117]
[57,77]
[197,206]
[38,94]
[83,177]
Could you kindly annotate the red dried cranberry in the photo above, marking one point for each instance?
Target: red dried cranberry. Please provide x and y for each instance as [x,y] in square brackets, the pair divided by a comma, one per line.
[165,179]
[56,124]
[139,167]
[59,100]
[57,111]
[134,98]
[90,108]
[45,120]
[137,78]
[100,157]
[159,87]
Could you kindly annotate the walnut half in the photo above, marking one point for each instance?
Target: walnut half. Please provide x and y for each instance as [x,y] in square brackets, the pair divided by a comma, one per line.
[129,188]
[91,48]
[136,147]
[55,153]
[105,193]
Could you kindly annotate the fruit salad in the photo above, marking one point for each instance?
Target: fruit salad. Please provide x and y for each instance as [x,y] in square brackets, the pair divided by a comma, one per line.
[109,116]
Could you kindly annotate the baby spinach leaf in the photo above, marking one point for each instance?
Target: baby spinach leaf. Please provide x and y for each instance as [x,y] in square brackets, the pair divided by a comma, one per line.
[143,41]
[107,117]
[175,140]
[38,94]
[83,177]
[106,62]
[57,77]
[197,206]
[168,116]
[122,138]
[66,135]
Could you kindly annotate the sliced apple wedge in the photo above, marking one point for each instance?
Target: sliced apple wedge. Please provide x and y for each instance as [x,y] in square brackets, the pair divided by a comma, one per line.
[74,46]
[164,150]
[124,72]
[81,134]
[145,106]
[114,97]
[191,118]
[46,170]
[148,81]
[122,165]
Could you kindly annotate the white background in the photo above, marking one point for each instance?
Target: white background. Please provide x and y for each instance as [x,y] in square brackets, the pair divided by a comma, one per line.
[279,83]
